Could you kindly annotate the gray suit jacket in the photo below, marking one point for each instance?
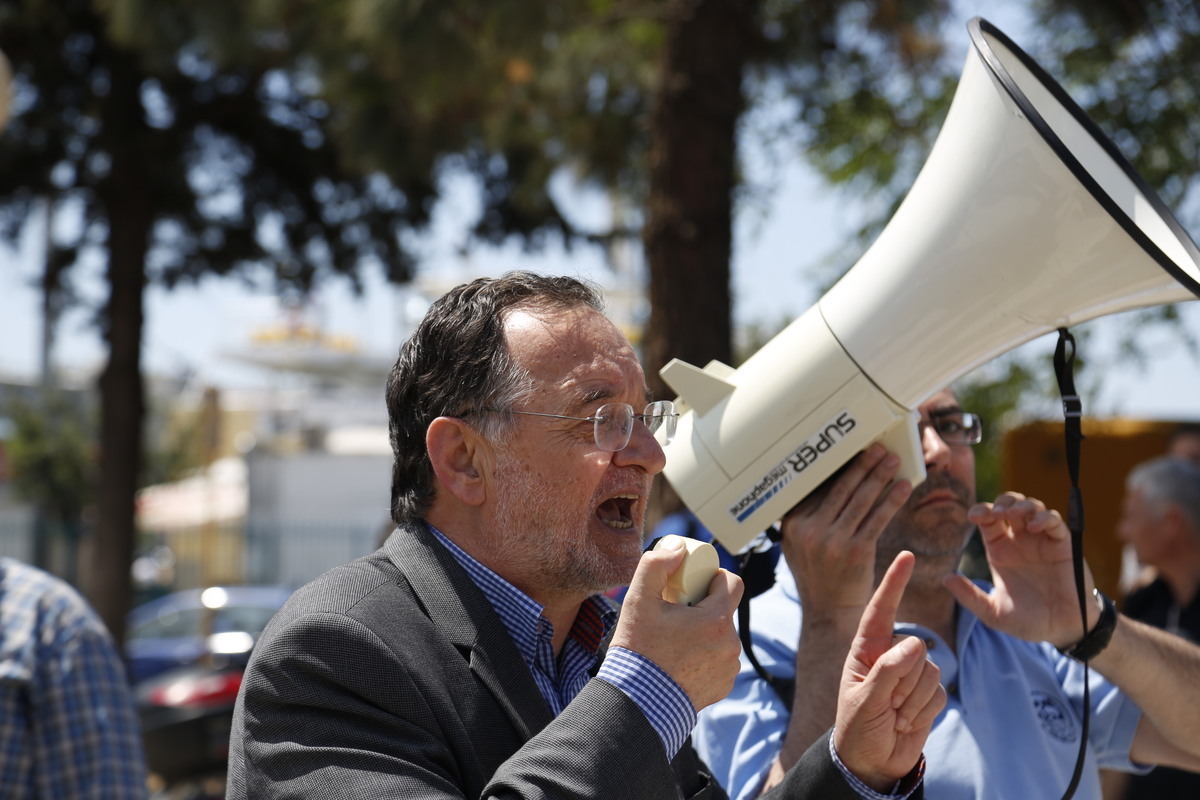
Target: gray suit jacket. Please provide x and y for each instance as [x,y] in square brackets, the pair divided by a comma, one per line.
[392,677]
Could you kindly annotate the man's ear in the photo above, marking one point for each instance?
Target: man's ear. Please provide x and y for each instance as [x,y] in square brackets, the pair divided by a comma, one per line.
[454,449]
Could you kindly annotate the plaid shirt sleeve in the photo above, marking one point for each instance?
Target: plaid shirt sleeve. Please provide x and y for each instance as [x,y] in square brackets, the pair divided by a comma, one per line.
[68,727]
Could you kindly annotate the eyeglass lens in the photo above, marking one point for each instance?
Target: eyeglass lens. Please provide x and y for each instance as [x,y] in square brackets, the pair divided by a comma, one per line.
[957,427]
[614,423]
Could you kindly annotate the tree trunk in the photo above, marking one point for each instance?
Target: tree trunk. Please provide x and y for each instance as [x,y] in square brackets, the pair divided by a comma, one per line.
[127,197]
[689,211]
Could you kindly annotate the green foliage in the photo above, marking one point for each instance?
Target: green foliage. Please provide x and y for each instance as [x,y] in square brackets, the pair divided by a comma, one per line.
[869,82]
[52,452]
[508,91]
[1133,67]
[235,154]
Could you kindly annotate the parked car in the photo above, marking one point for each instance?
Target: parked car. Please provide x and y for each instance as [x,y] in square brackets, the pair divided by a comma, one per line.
[186,716]
[184,627]
[187,652]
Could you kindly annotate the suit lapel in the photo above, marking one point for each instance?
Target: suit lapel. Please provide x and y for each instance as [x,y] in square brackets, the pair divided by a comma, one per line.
[461,611]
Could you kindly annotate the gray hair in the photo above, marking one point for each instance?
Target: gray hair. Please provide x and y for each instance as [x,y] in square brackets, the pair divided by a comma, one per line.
[1166,481]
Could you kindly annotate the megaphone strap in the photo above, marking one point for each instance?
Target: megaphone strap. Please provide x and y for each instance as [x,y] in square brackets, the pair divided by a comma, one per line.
[784,687]
[1064,364]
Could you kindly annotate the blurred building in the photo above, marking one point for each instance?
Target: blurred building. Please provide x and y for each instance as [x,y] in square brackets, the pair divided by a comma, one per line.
[295,477]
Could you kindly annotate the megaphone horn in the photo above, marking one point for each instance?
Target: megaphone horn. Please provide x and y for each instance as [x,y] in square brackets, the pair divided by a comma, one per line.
[1024,219]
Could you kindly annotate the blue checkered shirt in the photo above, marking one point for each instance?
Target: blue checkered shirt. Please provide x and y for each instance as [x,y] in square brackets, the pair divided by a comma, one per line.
[68,728]
[665,704]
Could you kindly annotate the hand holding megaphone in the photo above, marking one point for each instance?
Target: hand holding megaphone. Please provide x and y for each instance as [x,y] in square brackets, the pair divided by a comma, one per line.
[688,584]
[697,646]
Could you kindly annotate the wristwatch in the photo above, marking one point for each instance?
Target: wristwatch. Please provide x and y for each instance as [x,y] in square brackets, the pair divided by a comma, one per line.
[1094,642]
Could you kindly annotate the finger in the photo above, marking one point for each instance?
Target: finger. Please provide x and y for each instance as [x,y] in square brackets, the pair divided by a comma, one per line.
[992,521]
[908,681]
[724,592]
[999,511]
[970,597]
[882,512]
[920,720]
[879,617]
[879,686]
[1050,523]
[848,481]
[876,475]
[655,568]
[924,718]
[981,513]
[875,488]
[1022,511]
[923,683]
[1007,499]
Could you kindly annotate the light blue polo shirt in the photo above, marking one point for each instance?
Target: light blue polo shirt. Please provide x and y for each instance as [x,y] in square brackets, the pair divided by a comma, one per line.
[1010,728]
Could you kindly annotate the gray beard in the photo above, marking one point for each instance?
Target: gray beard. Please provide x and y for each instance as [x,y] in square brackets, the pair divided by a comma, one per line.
[535,528]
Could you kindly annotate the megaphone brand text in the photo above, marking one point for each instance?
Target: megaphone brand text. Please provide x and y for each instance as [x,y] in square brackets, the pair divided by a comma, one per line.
[796,462]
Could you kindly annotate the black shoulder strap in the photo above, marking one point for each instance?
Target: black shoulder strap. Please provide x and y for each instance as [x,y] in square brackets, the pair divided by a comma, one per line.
[1064,364]
[757,568]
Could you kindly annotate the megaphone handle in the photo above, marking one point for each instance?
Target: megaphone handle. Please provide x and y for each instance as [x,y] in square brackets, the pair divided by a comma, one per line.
[904,439]
[688,584]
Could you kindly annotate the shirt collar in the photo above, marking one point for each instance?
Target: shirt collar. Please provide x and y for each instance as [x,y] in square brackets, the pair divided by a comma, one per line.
[522,615]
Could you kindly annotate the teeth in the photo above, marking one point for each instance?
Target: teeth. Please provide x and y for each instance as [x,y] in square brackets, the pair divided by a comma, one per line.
[623,523]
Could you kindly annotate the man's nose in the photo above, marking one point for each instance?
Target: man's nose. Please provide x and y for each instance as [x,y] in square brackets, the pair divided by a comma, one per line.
[643,450]
[937,452]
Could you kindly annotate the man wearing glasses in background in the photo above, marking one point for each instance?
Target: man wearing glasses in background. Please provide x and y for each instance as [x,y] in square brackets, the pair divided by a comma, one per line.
[474,655]
[1011,727]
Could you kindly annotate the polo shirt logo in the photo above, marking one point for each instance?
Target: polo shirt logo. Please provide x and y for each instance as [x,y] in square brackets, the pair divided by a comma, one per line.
[1054,717]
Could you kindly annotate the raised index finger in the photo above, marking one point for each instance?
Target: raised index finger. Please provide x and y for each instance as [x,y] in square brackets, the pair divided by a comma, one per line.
[880,615]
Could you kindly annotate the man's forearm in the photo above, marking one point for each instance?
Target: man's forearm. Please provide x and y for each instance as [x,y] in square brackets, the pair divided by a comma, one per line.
[819,659]
[1157,670]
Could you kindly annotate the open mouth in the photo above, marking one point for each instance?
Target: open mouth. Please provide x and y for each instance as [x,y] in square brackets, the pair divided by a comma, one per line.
[617,512]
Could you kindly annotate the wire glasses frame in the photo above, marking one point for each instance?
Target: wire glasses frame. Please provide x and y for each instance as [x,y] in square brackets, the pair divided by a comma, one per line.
[954,427]
[613,422]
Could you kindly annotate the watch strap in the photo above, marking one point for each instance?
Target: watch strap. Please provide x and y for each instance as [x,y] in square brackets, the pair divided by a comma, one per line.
[1092,644]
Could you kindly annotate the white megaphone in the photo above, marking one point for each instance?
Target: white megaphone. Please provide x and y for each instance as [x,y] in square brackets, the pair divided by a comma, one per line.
[1025,219]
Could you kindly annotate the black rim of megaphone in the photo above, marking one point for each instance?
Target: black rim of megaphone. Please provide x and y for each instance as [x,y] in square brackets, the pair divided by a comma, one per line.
[977,27]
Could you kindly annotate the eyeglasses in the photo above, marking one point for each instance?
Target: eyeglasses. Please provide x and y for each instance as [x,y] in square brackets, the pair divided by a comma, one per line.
[613,422]
[955,427]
